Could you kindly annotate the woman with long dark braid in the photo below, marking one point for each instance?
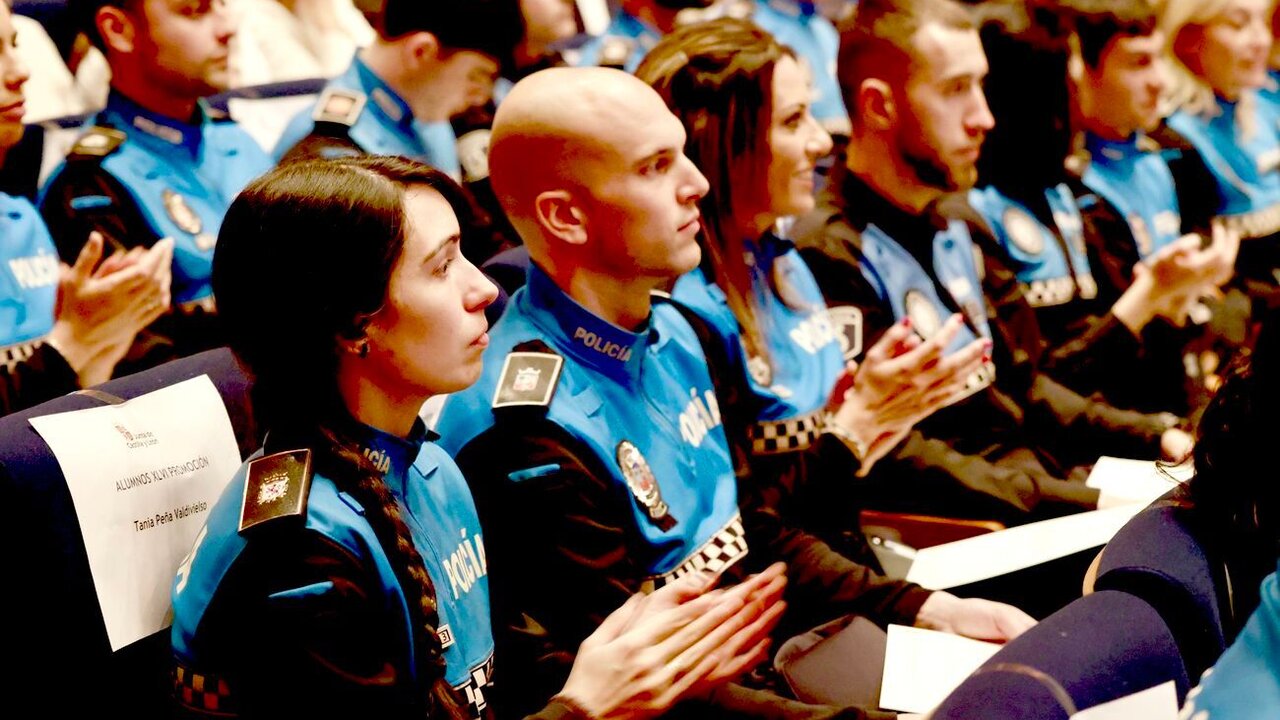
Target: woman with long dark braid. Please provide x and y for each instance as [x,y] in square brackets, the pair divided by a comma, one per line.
[327,581]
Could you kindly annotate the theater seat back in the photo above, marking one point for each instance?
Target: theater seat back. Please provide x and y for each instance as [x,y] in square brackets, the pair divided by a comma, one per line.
[1158,557]
[1100,647]
[60,657]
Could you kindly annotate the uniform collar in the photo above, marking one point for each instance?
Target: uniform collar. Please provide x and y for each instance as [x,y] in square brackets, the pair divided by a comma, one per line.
[1226,116]
[392,455]
[590,339]
[1103,150]
[769,247]
[382,99]
[135,118]
[864,206]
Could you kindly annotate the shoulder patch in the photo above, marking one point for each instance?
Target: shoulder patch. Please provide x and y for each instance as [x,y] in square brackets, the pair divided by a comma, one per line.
[528,379]
[339,106]
[847,321]
[276,486]
[97,142]
[473,153]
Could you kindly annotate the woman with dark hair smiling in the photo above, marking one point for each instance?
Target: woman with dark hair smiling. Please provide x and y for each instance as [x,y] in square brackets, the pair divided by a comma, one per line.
[329,578]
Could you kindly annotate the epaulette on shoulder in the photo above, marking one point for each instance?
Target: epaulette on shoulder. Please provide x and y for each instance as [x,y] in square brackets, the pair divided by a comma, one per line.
[529,377]
[339,106]
[96,143]
[276,486]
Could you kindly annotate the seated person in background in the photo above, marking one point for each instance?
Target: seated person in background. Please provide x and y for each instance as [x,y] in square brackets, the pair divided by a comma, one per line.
[53,90]
[1218,57]
[1095,329]
[429,62]
[799,25]
[1145,198]
[594,441]
[156,163]
[62,328]
[547,24]
[637,26]
[744,101]
[415,91]
[889,241]
[1235,496]
[326,538]
[281,40]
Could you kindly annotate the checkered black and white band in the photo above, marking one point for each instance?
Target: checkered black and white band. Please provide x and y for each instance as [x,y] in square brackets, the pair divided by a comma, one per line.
[783,436]
[1047,293]
[474,688]
[979,380]
[726,547]
[200,692]
[14,354]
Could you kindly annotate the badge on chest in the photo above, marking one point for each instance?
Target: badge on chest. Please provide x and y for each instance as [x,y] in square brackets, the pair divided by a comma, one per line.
[643,485]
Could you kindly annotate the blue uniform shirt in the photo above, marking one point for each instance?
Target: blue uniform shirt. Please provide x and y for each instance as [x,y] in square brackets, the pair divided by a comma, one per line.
[624,44]
[798,25]
[899,280]
[1245,682]
[182,177]
[806,346]
[643,403]
[29,275]
[441,516]
[1051,263]
[1271,91]
[1137,182]
[381,122]
[1246,170]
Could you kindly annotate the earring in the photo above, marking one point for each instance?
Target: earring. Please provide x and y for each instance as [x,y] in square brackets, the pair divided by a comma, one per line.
[363,349]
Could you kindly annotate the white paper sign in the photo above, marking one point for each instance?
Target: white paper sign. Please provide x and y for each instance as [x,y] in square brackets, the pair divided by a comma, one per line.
[994,554]
[1155,703]
[922,667]
[143,476]
[1135,481]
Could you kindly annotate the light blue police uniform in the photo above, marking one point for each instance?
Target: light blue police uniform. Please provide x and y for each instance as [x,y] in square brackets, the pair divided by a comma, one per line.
[28,279]
[437,507]
[805,343]
[642,402]
[376,119]
[180,176]
[1052,264]
[1134,178]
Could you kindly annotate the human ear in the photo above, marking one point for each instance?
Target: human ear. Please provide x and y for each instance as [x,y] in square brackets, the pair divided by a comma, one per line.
[420,49]
[877,107]
[116,28]
[561,217]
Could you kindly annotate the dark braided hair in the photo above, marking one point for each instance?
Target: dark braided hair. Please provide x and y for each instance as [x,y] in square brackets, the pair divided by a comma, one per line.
[335,227]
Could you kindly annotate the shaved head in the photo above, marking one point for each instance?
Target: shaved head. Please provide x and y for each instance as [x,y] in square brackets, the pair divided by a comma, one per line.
[550,128]
[592,158]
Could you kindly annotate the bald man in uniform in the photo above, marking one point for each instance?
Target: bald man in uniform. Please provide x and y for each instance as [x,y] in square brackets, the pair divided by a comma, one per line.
[594,440]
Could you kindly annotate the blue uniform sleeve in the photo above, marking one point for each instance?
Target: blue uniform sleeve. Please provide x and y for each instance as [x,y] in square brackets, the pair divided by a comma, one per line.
[82,198]
[1245,683]
[43,376]
[304,625]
